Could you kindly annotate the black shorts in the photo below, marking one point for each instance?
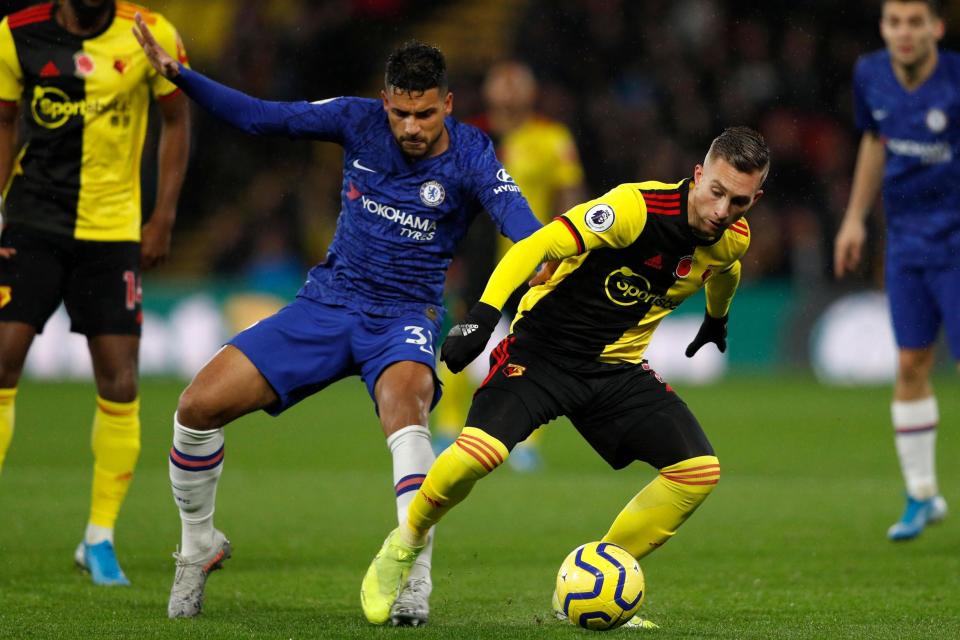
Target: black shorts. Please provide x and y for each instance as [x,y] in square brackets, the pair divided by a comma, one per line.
[98,282]
[625,412]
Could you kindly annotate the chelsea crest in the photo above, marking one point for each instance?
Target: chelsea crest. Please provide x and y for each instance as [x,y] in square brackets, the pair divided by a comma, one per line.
[432,193]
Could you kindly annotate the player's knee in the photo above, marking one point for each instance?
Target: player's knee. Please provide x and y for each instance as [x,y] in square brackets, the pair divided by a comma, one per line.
[199,409]
[402,402]
[118,386]
[914,366]
[479,451]
[9,378]
[10,370]
[694,476]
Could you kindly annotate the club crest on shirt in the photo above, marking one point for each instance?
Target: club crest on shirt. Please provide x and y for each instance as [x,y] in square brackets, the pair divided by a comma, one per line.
[514,370]
[432,193]
[503,176]
[936,120]
[82,64]
[599,218]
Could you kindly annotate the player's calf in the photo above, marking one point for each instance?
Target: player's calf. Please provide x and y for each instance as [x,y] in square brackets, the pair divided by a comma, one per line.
[655,514]
[473,455]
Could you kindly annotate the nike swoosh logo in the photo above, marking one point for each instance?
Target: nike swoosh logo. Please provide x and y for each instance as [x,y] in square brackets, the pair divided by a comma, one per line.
[357,165]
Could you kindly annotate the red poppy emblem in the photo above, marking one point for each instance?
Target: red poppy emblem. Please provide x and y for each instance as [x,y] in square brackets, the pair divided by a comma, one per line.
[83,64]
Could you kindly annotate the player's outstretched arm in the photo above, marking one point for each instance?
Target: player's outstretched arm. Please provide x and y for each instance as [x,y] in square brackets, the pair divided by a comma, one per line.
[249,114]
[867,178]
[165,64]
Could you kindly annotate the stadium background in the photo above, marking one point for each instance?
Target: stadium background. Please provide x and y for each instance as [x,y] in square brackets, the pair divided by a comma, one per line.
[791,545]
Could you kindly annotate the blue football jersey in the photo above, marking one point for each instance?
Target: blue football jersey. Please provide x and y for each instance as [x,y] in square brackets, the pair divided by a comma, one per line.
[401,219]
[921,133]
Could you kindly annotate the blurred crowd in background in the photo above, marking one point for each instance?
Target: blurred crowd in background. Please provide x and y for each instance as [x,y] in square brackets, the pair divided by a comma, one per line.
[642,86]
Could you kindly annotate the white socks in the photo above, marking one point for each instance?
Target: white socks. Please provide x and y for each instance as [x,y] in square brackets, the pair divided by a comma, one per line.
[915,426]
[196,461]
[412,458]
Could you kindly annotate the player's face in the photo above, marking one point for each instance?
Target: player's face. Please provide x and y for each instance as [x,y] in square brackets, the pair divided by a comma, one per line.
[721,196]
[416,119]
[911,31]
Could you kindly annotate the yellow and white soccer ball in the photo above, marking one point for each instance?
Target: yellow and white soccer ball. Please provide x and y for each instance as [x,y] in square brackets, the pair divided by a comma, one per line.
[600,586]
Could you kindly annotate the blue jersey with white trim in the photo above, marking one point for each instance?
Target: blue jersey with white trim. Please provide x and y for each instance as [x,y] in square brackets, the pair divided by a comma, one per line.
[401,219]
[921,134]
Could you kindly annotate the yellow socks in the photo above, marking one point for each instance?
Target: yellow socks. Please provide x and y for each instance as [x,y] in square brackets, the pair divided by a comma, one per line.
[654,514]
[116,446]
[7,400]
[471,457]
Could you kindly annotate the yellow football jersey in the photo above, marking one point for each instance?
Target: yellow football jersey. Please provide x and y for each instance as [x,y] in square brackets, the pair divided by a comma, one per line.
[85,102]
[638,260]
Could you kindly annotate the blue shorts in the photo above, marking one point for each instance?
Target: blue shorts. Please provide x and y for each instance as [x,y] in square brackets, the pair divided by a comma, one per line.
[308,345]
[922,299]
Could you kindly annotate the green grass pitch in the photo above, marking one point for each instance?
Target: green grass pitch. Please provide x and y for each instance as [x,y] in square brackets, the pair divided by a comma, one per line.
[790,545]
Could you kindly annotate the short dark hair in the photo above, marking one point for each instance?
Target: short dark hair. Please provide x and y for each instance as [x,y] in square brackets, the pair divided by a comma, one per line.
[742,147]
[415,66]
[934,5]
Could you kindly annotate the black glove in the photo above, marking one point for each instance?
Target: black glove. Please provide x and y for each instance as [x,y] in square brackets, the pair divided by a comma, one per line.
[466,340]
[712,330]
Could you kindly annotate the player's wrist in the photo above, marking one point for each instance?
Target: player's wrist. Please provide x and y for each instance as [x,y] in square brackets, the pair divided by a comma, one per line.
[485,314]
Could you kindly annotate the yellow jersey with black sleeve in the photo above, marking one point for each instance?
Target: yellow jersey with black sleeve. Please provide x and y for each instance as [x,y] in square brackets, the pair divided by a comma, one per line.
[629,259]
[85,102]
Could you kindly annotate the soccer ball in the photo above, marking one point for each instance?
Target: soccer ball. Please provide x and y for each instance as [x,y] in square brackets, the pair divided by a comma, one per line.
[600,586]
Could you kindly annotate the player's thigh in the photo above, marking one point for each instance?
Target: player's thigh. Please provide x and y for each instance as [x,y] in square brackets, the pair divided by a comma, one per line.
[635,415]
[914,311]
[102,290]
[522,391]
[31,282]
[945,285]
[227,387]
[300,349]
[380,343]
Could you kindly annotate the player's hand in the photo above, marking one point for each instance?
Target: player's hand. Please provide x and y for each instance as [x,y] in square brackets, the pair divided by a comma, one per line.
[7,252]
[544,273]
[155,242]
[712,330]
[848,247]
[162,61]
[466,340]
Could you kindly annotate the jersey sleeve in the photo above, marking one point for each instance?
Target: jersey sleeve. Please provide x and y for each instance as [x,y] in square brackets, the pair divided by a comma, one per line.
[166,34]
[324,120]
[11,74]
[501,197]
[862,114]
[551,242]
[613,220]
[721,288]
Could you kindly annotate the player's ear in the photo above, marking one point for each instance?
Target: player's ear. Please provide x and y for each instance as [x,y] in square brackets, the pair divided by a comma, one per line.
[448,103]
[938,29]
[756,197]
[697,174]
[386,102]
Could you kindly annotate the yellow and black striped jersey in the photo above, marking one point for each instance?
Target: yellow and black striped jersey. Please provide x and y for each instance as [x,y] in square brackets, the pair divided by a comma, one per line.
[638,260]
[85,102]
